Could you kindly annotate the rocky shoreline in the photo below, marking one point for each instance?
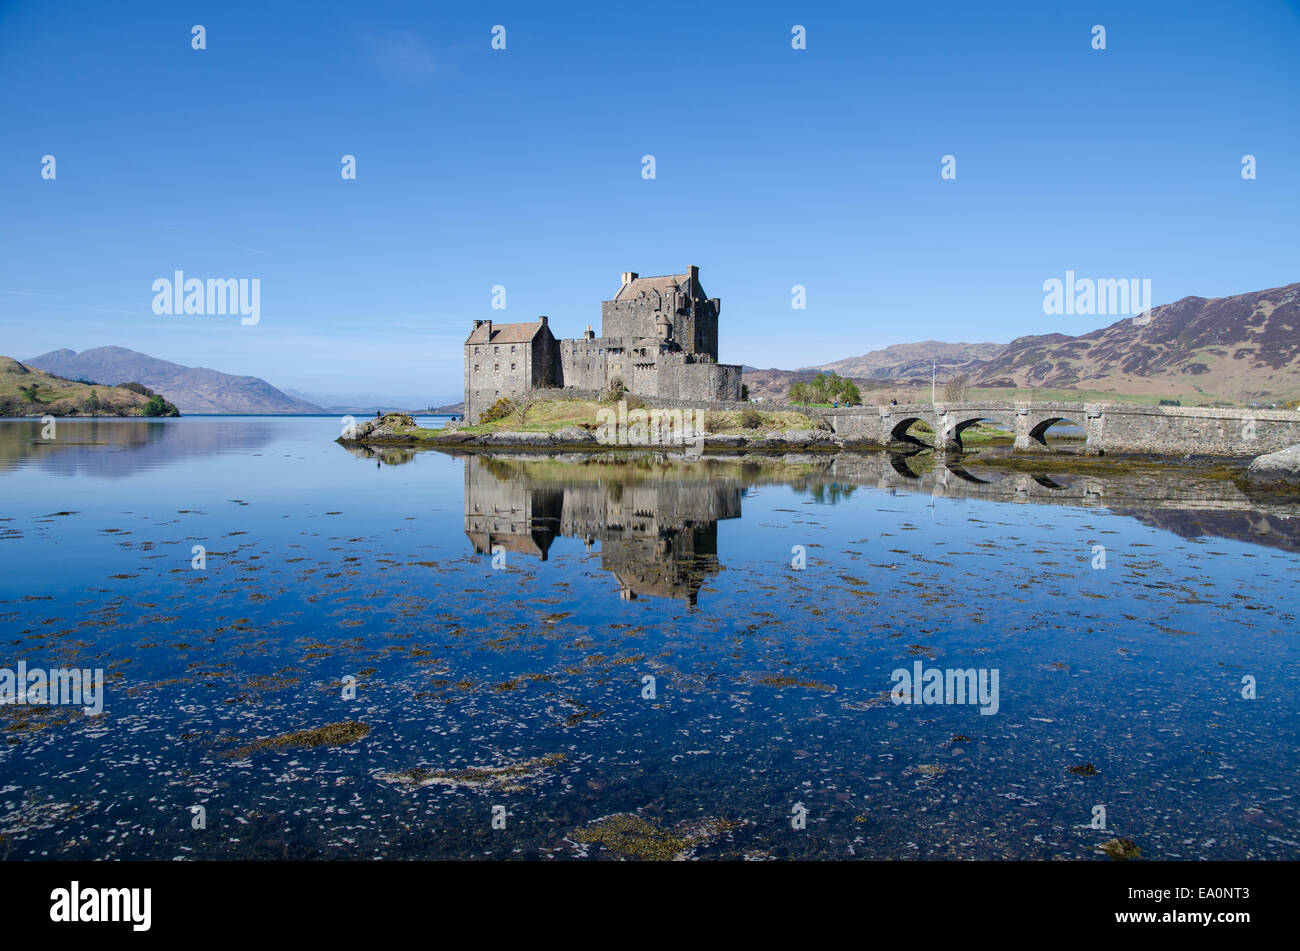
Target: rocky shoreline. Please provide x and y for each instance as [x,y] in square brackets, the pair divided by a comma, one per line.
[400,430]
[1277,470]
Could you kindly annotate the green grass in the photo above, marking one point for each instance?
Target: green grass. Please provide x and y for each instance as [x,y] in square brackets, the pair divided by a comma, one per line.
[548,416]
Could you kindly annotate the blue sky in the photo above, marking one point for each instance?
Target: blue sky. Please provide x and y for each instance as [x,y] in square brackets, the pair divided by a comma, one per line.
[522,168]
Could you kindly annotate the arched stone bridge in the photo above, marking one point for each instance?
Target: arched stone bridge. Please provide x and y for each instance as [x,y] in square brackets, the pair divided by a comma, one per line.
[1107,427]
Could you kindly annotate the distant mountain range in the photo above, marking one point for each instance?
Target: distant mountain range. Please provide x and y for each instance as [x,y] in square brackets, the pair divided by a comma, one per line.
[191,389]
[1240,348]
[904,360]
[357,403]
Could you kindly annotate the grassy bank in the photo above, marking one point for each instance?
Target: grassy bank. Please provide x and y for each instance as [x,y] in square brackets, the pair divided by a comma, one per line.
[549,416]
[27,391]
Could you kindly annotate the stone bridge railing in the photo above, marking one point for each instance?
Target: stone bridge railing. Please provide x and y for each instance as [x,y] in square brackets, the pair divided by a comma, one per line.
[1107,427]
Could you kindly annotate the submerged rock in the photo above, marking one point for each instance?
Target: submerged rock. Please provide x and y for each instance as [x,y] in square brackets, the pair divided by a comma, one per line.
[508,777]
[1121,849]
[333,734]
[633,837]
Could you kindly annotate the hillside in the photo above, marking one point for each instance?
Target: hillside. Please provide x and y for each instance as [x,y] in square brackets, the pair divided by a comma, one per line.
[1242,348]
[913,360]
[1238,348]
[192,389]
[27,391]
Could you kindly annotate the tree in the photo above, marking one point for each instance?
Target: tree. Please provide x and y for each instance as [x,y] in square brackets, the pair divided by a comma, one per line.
[825,388]
[954,391]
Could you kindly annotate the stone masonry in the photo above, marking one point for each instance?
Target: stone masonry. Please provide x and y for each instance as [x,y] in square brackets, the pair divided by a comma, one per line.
[659,337]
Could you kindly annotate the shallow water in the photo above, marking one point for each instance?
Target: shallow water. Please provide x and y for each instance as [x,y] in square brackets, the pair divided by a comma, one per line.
[524,686]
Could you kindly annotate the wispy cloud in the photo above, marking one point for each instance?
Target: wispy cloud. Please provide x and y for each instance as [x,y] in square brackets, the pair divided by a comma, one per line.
[32,294]
[208,237]
[399,55]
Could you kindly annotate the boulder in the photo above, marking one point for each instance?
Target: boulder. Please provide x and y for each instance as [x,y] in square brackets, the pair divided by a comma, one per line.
[1280,466]
[391,425]
[726,441]
[573,435]
[516,439]
[797,438]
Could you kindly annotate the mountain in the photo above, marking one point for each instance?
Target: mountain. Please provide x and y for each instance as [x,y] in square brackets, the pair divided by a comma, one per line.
[28,391]
[357,403]
[1237,348]
[192,389]
[1241,348]
[913,360]
[771,386]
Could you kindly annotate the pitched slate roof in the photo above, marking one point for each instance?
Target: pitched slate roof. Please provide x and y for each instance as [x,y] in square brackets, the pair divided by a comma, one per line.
[662,285]
[505,333]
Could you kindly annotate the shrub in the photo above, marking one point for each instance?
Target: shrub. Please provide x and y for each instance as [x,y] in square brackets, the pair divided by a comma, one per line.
[713,423]
[497,411]
[137,388]
[614,391]
[751,418]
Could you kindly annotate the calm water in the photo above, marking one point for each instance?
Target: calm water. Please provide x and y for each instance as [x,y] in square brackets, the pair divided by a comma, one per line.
[528,686]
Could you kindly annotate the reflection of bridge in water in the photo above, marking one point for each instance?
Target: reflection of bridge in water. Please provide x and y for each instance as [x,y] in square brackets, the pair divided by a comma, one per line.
[657,523]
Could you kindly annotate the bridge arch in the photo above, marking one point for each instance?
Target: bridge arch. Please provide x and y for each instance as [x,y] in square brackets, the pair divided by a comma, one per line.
[1038,432]
[899,432]
[966,423]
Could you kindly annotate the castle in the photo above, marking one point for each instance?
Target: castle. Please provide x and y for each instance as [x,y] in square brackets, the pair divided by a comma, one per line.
[659,337]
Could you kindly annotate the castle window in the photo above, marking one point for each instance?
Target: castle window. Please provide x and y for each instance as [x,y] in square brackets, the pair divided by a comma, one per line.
[512,366]
[496,349]
[496,368]
[476,368]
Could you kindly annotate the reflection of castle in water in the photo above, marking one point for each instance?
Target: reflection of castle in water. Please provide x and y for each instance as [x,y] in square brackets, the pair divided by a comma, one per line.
[658,533]
[657,524]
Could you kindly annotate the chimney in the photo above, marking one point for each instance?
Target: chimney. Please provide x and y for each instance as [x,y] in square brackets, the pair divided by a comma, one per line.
[478,324]
[629,277]
[591,334]
[692,273]
[542,321]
